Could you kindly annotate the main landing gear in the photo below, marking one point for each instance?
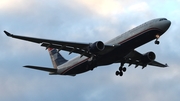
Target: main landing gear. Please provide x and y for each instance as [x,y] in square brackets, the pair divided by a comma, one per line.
[121,70]
[157,37]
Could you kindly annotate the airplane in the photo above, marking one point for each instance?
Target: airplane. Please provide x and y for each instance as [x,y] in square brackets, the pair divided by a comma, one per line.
[121,50]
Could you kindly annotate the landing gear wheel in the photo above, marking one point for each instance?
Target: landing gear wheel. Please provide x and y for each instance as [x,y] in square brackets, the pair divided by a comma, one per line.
[117,73]
[120,68]
[124,69]
[120,73]
[157,42]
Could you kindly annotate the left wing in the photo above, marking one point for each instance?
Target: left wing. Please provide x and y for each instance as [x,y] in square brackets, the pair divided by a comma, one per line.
[135,57]
[80,48]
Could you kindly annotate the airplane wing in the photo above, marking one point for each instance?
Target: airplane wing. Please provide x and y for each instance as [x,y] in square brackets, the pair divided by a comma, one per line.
[80,48]
[135,57]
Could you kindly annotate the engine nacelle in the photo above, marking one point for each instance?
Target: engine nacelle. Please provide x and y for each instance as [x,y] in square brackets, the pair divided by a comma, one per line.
[149,57]
[96,47]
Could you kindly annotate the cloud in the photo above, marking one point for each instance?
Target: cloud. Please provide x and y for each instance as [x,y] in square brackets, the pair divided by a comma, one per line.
[139,7]
[7,5]
[103,7]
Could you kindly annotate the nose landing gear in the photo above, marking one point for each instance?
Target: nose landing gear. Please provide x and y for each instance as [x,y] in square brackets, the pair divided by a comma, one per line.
[121,70]
[157,37]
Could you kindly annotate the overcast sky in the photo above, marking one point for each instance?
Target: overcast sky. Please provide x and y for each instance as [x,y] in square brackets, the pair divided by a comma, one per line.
[86,21]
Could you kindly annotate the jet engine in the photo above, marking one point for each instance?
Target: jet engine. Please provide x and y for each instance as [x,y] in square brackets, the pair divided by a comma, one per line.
[96,47]
[148,57]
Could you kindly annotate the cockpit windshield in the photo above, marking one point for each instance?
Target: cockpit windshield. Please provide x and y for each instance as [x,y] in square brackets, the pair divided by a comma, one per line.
[162,19]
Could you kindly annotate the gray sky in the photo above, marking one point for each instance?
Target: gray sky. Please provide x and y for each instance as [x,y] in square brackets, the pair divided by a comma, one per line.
[86,21]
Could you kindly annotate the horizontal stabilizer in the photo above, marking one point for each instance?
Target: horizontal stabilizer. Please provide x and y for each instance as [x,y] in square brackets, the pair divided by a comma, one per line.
[42,68]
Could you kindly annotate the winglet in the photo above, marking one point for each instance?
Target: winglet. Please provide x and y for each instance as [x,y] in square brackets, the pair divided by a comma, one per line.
[8,34]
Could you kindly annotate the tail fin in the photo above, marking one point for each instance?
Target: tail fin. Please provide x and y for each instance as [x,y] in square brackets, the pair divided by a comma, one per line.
[56,57]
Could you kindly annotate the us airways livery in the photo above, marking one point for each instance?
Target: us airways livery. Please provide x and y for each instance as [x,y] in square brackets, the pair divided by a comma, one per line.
[121,50]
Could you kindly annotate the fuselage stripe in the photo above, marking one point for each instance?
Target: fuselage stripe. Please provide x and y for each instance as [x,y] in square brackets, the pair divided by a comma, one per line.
[74,66]
[132,37]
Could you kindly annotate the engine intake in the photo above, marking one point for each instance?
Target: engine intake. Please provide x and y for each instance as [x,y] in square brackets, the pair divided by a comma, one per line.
[96,47]
[149,57]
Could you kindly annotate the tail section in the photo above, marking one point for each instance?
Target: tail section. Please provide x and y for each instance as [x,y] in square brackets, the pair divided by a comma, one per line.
[56,57]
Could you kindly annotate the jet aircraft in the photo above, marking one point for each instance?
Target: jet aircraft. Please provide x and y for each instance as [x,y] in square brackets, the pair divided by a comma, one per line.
[121,50]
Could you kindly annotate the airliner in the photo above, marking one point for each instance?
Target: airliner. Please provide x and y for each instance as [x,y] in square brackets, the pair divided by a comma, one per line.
[121,50]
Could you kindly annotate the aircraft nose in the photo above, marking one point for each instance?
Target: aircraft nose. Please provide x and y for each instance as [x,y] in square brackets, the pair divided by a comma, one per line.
[167,24]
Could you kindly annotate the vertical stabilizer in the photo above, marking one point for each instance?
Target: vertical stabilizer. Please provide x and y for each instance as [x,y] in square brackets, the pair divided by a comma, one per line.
[56,57]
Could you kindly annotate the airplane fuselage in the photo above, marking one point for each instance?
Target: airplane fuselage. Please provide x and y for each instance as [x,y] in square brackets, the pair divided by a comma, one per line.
[125,43]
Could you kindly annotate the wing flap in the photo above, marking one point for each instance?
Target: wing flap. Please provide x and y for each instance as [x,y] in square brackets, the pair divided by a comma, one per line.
[68,48]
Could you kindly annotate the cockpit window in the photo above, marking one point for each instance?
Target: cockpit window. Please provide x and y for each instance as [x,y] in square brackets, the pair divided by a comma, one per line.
[162,19]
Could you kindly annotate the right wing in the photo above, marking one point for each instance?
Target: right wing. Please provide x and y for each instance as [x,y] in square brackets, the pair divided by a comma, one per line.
[136,59]
[80,48]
